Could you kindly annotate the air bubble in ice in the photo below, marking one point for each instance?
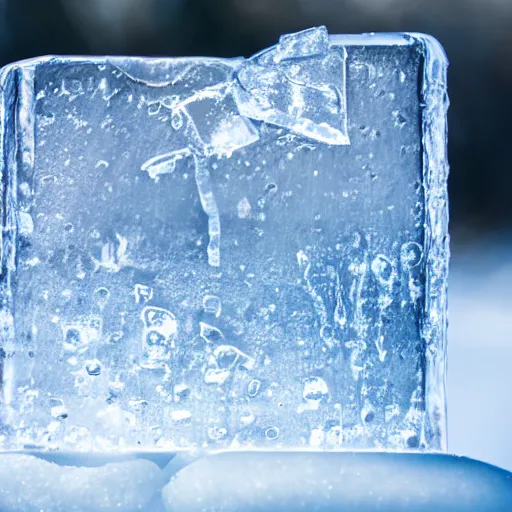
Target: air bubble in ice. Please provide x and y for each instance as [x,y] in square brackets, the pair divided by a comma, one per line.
[253,387]
[72,339]
[217,433]
[181,392]
[244,208]
[411,255]
[315,392]
[210,334]
[93,367]
[102,295]
[159,332]
[247,418]
[384,270]
[223,363]
[272,433]
[143,293]
[212,305]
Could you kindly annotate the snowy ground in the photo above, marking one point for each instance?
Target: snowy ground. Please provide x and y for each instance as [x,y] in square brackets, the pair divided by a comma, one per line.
[480,353]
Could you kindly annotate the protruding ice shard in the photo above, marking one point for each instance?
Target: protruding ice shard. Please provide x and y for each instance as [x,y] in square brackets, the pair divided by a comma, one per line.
[313,42]
[216,119]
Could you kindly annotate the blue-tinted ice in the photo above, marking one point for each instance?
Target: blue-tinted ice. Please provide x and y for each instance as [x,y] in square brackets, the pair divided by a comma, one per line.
[226,253]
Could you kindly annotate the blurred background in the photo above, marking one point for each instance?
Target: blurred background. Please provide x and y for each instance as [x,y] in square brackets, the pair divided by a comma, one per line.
[477,36]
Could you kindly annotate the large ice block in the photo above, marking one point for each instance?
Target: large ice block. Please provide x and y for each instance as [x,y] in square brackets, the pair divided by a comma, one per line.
[221,253]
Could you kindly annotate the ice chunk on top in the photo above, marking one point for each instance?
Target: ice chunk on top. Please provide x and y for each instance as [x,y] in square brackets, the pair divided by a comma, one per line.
[304,92]
[308,43]
[217,122]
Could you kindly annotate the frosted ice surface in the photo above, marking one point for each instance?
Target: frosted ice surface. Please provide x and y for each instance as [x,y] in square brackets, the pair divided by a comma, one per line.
[30,484]
[226,253]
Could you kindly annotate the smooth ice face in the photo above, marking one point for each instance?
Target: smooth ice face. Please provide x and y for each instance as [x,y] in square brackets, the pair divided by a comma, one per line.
[223,253]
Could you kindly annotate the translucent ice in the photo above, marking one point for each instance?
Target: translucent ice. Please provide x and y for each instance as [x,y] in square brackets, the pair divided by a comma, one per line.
[308,43]
[298,85]
[224,253]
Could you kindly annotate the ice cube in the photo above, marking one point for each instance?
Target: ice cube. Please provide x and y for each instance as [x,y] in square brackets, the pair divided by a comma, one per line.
[270,233]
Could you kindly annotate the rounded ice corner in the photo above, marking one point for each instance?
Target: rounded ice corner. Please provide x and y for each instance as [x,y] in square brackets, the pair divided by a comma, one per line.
[430,45]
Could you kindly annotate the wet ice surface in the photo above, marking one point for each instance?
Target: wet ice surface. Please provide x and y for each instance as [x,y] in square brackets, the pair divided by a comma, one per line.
[224,253]
[266,482]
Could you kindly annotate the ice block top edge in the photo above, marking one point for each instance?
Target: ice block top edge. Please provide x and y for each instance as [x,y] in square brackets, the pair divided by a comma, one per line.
[429,43]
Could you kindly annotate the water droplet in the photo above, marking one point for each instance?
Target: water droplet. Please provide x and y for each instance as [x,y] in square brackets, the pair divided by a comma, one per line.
[93,367]
[212,305]
[272,433]
[210,334]
[253,387]
[102,295]
[244,208]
